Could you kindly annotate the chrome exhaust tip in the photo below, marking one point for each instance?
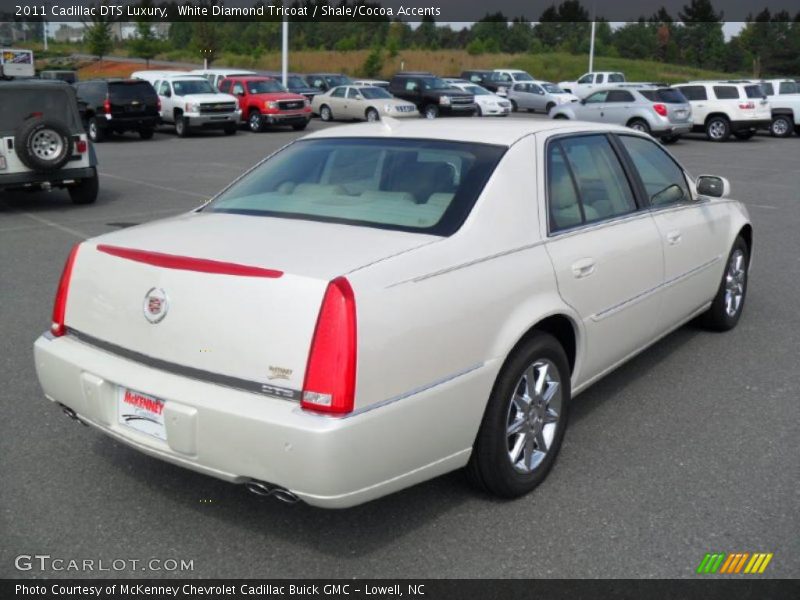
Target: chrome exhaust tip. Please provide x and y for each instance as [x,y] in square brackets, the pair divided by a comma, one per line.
[259,488]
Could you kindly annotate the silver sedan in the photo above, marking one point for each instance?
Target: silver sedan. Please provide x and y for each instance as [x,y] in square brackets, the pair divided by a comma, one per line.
[538,95]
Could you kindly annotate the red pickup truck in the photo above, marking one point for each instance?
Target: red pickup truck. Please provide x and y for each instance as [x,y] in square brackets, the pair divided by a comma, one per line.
[264,101]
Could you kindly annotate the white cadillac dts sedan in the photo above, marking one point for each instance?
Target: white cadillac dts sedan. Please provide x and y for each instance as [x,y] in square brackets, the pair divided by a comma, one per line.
[378,304]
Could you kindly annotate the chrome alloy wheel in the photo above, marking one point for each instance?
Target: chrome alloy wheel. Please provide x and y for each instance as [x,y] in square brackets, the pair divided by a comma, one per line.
[639,126]
[780,127]
[533,415]
[47,144]
[735,278]
[717,130]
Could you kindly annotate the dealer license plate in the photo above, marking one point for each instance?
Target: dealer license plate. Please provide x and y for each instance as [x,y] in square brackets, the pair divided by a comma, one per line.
[141,412]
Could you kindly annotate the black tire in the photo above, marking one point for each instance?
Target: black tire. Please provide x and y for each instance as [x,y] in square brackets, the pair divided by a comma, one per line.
[431,111]
[478,112]
[96,133]
[670,139]
[85,191]
[718,129]
[43,144]
[490,466]
[639,125]
[781,126]
[325,113]
[146,134]
[797,129]
[300,126]
[230,129]
[565,117]
[255,121]
[181,126]
[718,317]
[372,115]
[744,135]
[549,107]
[514,107]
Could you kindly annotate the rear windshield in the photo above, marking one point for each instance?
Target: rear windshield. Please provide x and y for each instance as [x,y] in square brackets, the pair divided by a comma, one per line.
[754,91]
[726,92]
[19,104]
[422,186]
[125,91]
[667,96]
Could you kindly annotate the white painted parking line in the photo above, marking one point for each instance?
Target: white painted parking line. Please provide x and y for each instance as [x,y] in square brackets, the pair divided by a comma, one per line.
[155,186]
[54,225]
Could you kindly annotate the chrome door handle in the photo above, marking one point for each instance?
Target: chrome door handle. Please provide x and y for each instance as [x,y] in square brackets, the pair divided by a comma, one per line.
[583,268]
[674,237]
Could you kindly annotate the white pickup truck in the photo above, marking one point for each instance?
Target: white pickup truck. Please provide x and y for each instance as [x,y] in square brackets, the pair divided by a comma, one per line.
[588,82]
[190,102]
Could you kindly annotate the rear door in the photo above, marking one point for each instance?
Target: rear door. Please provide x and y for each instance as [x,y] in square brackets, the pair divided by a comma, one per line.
[605,249]
[691,231]
[618,108]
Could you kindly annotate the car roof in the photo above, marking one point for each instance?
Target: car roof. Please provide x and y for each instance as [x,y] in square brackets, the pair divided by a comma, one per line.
[506,133]
[223,71]
[510,70]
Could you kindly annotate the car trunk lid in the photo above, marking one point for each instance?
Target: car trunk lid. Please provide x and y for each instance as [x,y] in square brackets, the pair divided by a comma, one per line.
[231,295]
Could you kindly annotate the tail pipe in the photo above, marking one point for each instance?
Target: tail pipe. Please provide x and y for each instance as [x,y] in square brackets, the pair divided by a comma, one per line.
[260,488]
[72,414]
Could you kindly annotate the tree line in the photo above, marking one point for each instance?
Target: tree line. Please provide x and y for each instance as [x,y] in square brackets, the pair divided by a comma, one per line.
[768,44]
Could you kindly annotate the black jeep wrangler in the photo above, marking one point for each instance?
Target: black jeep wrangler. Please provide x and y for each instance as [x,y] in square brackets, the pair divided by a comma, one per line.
[42,141]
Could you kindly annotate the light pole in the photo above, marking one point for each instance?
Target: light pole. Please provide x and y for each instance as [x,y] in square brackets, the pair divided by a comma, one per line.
[285,51]
[591,42]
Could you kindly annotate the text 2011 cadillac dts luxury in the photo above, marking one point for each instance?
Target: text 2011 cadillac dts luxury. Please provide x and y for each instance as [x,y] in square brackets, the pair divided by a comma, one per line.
[376,305]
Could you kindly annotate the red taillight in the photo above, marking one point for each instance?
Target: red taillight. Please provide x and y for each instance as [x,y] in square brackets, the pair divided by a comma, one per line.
[80,146]
[107,106]
[330,381]
[660,109]
[747,105]
[59,328]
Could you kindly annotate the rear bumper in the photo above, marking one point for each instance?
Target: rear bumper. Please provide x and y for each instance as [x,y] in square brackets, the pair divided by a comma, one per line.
[237,436]
[129,123]
[675,128]
[33,178]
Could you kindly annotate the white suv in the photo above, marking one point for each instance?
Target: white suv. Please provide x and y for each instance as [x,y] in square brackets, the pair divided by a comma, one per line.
[721,108]
[784,99]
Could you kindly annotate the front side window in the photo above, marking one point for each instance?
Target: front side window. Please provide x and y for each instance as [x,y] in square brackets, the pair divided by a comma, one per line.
[769,90]
[586,182]
[597,98]
[423,186]
[536,89]
[661,175]
[225,86]
[585,79]
[163,88]
[238,89]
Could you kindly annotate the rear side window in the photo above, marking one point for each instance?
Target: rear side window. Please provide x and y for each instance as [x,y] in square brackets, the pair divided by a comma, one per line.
[124,91]
[422,186]
[694,92]
[586,182]
[662,177]
[667,96]
[600,78]
[619,96]
[726,92]
[754,91]
[768,89]
[788,87]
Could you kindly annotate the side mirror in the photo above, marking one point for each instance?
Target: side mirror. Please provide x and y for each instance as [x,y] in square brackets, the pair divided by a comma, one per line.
[713,186]
[168,94]
[582,100]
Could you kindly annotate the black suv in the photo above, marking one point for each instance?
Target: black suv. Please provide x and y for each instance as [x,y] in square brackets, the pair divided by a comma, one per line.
[476,76]
[326,81]
[295,83]
[118,105]
[42,141]
[432,95]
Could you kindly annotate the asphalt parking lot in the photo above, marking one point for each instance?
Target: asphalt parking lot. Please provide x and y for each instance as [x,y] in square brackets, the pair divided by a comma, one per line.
[692,447]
